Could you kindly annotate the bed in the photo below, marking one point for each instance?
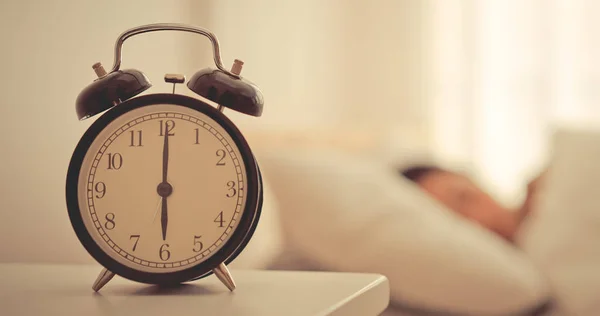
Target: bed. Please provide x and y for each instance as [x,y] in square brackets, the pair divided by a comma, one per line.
[347,212]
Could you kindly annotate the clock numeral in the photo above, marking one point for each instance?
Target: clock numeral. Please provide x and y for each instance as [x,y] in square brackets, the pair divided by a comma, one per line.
[197,244]
[163,253]
[197,136]
[137,238]
[115,161]
[232,189]
[135,141]
[221,154]
[167,126]
[100,188]
[219,219]
[110,221]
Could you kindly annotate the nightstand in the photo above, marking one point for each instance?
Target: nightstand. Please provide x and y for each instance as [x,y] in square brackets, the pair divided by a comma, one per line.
[47,289]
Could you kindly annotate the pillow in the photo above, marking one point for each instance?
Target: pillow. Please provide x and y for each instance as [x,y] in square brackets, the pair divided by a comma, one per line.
[563,234]
[354,214]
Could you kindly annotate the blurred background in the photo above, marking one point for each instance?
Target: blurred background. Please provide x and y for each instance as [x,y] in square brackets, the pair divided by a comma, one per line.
[478,83]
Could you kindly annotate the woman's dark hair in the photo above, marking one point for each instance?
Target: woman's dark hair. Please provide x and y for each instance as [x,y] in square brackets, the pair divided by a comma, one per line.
[417,173]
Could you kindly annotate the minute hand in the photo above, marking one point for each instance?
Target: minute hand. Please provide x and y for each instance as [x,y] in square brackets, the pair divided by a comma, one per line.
[164,217]
[165,157]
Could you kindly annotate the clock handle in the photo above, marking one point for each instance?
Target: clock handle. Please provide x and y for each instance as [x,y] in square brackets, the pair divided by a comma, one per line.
[170,27]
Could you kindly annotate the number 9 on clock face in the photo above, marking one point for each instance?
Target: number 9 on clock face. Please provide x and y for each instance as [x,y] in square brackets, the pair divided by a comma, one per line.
[162,189]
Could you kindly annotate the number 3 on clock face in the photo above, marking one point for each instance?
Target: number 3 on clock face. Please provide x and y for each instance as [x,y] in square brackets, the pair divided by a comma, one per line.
[163,188]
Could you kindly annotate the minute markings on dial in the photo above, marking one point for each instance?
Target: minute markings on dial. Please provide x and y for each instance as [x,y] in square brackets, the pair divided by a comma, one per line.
[208,247]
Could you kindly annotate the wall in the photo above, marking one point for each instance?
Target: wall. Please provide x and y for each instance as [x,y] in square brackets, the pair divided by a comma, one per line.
[48,48]
[336,71]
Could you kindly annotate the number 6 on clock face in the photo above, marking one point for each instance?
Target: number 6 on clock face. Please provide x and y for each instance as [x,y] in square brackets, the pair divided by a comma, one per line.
[165,188]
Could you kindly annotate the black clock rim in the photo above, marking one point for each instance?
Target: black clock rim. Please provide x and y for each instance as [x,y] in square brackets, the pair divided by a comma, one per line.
[228,252]
[257,214]
[250,232]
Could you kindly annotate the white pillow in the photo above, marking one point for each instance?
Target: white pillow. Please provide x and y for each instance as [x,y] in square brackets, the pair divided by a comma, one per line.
[563,234]
[347,213]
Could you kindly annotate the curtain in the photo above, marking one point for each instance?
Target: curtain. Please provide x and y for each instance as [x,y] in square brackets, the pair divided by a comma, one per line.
[504,75]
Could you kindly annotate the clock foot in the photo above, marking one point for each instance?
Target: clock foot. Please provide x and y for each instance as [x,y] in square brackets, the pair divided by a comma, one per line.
[102,279]
[225,276]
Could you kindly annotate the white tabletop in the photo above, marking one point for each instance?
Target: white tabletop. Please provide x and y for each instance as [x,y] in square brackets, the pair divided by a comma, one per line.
[27,289]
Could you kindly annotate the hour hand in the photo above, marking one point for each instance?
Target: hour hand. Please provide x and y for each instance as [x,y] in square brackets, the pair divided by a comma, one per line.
[164,190]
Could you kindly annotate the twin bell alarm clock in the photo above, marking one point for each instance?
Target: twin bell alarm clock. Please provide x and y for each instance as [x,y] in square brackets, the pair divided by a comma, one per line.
[163,188]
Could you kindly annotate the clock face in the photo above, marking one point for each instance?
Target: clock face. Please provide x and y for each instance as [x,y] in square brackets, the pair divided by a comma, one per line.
[162,188]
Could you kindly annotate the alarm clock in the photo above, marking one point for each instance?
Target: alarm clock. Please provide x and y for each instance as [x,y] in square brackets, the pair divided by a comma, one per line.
[163,188]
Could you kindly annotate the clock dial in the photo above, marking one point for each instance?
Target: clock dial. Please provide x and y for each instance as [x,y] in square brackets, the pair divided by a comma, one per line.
[162,188]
